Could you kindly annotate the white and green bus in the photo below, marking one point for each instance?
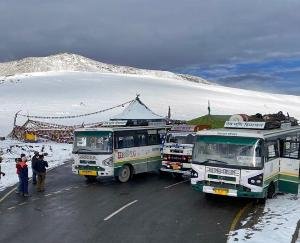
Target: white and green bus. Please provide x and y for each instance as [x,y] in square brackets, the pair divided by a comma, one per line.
[118,152]
[246,160]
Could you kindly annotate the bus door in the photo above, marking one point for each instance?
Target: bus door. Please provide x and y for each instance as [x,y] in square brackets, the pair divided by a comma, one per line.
[289,173]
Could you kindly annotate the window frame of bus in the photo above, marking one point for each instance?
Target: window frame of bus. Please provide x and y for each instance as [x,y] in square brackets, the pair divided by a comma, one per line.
[135,134]
[283,150]
[268,143]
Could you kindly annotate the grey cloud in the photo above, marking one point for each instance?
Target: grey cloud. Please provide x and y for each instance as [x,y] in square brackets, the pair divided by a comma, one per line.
[261,82]
[151,34]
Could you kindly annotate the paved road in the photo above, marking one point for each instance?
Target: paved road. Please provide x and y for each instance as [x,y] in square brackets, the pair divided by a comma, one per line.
[159,209]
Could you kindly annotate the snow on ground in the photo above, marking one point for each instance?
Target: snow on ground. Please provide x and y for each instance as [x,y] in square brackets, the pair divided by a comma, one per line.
[11,149]
[276,224]
[69,93]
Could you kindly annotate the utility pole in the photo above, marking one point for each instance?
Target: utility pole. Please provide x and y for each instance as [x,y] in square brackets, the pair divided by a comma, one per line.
[169,113]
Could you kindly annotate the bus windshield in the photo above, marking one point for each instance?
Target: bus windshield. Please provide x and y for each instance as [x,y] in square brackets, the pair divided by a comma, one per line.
[93,142]
[180,138]
[236,151]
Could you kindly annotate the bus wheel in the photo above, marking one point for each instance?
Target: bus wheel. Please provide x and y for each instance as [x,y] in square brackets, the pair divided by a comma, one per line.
[271,190]
[91,178]
[124,173]
[177,176]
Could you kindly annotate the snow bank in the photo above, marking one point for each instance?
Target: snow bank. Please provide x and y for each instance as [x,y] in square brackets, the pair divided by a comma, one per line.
[277,223]
[57,155]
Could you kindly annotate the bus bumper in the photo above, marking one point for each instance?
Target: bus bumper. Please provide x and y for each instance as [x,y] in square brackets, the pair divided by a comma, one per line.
[89,171]
[227,191]
[183,172]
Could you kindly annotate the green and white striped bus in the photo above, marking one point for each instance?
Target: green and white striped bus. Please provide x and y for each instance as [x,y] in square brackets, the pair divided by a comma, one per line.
[118,152]
[245,160]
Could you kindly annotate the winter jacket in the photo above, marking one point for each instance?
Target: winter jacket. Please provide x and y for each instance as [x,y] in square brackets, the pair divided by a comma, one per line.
[34,161]
[18,168]
[23,170]
[40,166]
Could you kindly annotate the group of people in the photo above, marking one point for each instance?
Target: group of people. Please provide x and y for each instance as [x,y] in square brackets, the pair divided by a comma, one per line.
[38,165]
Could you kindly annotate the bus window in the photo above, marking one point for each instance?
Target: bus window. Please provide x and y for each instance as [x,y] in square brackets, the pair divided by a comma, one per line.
[153,139]
[100,142]
[124,142]
[272,150]
[291,149]
[141,140]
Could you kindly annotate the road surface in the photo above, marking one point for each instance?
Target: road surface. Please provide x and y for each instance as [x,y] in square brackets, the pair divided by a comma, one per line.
[150,208]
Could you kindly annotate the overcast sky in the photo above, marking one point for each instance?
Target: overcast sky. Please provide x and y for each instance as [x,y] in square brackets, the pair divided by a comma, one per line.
[178,35]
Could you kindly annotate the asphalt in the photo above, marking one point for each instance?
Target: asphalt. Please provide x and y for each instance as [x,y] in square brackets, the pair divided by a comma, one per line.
[159,209]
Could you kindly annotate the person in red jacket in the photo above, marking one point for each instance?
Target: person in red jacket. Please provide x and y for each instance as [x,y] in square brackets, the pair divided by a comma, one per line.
[17,160]
[23,174]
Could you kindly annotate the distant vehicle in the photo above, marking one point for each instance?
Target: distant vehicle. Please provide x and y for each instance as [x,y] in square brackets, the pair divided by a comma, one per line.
[118,152]
[250,157]
[177,150]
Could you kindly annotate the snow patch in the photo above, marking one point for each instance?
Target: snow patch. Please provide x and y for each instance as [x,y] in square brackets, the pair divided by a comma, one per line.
[277,223]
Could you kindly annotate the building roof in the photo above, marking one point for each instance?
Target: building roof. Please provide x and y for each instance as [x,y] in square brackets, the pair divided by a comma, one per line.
[137,110]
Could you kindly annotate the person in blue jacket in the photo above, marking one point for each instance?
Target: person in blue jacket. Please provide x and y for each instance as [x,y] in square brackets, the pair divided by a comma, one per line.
[23,174]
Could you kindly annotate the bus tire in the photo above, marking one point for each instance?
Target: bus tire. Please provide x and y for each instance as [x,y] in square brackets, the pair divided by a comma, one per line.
[271,190]
[209,196]
[124,174]
[177,176]
[91,178]
[260,201]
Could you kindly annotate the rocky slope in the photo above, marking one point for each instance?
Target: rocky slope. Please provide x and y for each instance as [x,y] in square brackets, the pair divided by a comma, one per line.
[73,62]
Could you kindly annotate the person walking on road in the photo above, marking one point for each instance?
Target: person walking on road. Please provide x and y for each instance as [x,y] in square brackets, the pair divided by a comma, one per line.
[1,173]
[18,160]
[40,168]
[33,163]
[23,174]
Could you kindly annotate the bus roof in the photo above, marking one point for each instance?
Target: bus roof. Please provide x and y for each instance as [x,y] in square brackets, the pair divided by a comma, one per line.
[112,129]
[249,132]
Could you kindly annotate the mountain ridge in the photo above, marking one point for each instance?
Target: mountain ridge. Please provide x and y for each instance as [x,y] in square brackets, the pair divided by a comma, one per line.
[75,62]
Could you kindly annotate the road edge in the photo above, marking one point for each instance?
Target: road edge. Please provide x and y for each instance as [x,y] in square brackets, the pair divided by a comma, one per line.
[238,217]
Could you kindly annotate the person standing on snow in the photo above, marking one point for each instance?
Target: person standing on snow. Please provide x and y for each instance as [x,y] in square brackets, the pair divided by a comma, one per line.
[23,174]
[33,163]
[1,173]
[18,160]
[40,168]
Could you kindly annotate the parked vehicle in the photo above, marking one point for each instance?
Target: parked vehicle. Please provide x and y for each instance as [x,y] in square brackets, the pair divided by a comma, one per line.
[177,150]
[117,152]
[248,158]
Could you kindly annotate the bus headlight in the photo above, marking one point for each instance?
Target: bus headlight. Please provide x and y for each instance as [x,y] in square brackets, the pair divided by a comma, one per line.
[108,162]
[194,174]
[256,180]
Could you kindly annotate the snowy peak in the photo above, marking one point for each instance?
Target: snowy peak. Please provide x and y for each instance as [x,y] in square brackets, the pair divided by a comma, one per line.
[74,62]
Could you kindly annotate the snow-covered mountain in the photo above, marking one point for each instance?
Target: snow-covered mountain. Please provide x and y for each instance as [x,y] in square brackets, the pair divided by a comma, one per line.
[70,93]
[68,84]
[73,62]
